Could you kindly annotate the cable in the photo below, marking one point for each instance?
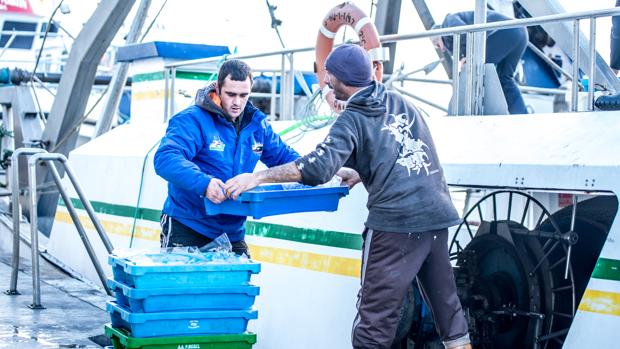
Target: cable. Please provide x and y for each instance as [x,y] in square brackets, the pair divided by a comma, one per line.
[36,64]
[372,6]
[47,30]
[80,121]
[153,21]
[137,208]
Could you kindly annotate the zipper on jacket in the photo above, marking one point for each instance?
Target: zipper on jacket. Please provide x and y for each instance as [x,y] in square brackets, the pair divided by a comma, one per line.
[236,169]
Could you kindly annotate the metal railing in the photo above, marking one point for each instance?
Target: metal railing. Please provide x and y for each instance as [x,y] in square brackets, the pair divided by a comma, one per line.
[455,32]
[170,82]
[37,156]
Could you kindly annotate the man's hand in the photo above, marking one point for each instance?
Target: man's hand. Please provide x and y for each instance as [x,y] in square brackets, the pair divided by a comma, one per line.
[215,191]
[239,184]
[349,176]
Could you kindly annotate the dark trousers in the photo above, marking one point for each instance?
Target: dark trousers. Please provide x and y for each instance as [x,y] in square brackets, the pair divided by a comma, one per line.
[176,234]
[505,49]
[390,263]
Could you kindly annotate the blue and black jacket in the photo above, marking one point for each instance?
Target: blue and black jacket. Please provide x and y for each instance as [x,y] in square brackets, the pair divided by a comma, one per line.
[202,143]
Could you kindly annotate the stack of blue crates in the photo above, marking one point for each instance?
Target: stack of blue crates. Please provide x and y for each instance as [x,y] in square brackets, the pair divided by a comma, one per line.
[181,299]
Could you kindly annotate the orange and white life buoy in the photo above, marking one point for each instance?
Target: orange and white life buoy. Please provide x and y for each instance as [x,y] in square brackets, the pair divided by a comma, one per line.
[351,15]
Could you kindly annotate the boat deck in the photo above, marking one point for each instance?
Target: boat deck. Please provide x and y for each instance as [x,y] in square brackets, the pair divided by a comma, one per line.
[73,317]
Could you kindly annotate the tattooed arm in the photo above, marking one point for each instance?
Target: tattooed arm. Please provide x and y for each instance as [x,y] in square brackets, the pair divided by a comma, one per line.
[317,167]
[247,181]
[283,173]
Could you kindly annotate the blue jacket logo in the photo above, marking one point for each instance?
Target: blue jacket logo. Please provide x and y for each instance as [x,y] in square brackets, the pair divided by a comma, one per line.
[217,144]
[257,147]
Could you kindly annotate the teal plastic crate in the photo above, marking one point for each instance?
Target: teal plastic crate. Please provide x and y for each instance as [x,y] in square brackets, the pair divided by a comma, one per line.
[181,275]
[269,200]
[122,339]
[181,323]
[180,299]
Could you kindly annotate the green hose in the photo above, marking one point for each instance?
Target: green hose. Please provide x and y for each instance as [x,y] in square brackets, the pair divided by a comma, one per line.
[304,122]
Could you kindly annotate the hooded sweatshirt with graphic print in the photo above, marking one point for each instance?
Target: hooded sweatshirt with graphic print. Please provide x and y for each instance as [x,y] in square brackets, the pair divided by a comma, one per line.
[385,139]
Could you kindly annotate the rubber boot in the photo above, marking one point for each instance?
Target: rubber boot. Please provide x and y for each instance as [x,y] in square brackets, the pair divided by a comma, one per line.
[611,102]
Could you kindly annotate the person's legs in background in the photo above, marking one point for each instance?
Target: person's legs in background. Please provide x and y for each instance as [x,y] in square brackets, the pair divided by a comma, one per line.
[505,49]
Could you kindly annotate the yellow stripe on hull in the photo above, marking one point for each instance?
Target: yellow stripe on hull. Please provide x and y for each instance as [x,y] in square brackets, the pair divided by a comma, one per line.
[307,260]
[113,228]
[147,95]
[601,302]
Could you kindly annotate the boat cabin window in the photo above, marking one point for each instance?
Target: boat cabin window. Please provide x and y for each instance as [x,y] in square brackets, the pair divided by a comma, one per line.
[20,41]
[53,29]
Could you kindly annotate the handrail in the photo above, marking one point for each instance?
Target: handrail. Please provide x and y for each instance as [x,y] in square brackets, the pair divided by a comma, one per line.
[41,155]
[16,213]
[513,23]
[470,95]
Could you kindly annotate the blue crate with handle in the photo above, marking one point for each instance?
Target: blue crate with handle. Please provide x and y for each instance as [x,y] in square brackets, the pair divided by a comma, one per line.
[187,298]
[138,276]
[275,199]
[182,323]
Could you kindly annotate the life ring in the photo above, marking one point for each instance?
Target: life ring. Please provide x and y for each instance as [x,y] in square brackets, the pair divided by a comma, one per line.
[351,15]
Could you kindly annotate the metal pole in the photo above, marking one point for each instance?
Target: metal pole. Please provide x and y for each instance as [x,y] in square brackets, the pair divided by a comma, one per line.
[592,73]
[479,58]
[166,91]
[34,238]
[9,42]
[572,229]
[575,84]
[282,89]
[14,182]
[120,77]
[173,76]
[456,54]
[469,88]
[291,100]
[78,224]
[87,205]
[8,143]
[272,108]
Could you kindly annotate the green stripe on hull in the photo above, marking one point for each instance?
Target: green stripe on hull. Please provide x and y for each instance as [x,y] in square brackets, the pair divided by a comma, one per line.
[179,74]
[253,228]
[305,235]
[146,214]
[608,269]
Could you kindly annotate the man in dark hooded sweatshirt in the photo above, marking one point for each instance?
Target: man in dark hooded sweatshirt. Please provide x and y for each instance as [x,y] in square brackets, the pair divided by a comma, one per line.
[217,138]
[383,137]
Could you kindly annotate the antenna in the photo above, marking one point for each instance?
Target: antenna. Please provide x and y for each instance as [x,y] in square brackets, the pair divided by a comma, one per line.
[275,23]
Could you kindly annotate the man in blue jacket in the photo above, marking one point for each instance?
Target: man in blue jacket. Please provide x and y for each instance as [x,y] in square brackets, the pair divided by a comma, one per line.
[217,138]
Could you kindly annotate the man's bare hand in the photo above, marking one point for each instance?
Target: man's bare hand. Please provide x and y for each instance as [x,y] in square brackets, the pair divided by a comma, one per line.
[239,184]
[215,191]
[349,176]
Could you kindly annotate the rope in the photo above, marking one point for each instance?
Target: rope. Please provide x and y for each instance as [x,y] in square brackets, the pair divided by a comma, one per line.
[137,208]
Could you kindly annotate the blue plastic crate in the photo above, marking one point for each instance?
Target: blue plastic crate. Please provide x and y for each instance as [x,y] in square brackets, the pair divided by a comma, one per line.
[180,323]
[269,200]
[181,276]
[180,299]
